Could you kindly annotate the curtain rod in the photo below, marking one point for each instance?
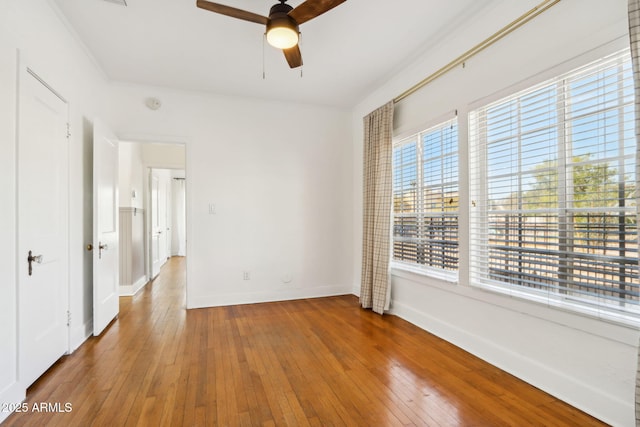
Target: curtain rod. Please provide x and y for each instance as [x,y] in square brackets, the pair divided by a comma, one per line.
[517,23]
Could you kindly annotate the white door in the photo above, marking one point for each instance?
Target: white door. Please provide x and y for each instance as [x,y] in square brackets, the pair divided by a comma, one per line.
[105,227]
[43,221]
[163,223]
[167,215]
[158,184]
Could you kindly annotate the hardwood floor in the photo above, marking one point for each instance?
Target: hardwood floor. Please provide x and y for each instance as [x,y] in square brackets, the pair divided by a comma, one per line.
[317,362]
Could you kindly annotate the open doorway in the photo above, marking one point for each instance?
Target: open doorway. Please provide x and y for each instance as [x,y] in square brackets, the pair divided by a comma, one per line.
[152,210]
[167,217]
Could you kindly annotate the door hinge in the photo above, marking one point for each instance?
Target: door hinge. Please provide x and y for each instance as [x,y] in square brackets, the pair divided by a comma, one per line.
[68,130]
[68,318]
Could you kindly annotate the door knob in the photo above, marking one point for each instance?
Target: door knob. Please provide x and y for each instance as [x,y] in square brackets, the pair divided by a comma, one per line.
[31,259]
[89,247]
[102,247]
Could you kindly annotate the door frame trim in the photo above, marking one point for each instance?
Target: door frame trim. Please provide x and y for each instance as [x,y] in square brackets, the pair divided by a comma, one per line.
[45,84]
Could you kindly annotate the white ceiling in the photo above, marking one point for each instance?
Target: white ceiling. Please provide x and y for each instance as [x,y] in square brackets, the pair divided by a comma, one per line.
[347,51]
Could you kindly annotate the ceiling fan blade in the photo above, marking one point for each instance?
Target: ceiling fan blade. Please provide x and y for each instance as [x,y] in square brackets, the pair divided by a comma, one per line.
[312,8]
[232,11]
[293,55]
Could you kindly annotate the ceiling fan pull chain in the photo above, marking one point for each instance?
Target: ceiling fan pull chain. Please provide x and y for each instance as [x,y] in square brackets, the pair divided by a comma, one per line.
[264,40]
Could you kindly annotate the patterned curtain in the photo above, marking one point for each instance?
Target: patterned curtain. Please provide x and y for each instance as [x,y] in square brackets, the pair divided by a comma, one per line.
[634,38]
[377,199]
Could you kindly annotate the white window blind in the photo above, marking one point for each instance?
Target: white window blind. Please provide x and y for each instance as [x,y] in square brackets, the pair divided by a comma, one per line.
[425,198]
[553,193]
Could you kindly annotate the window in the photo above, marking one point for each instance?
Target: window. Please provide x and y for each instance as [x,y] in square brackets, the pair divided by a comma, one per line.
[553,210]
[425,198]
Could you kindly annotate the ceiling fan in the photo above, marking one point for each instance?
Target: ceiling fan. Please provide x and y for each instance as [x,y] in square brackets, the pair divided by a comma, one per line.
[282,25]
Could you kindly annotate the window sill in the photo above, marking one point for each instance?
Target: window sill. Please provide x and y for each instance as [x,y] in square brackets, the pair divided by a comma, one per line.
[412,272]
[568,306]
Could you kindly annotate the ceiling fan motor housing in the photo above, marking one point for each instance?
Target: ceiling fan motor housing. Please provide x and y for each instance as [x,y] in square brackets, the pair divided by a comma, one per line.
[279,17]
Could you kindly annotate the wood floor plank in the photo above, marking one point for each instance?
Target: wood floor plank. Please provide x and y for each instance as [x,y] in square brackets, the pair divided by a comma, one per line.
[317,362]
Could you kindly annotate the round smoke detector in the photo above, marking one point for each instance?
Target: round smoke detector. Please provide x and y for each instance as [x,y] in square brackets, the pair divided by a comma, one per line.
[153,103]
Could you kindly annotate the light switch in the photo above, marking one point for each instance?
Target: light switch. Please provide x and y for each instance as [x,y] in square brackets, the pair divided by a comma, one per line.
[212,209]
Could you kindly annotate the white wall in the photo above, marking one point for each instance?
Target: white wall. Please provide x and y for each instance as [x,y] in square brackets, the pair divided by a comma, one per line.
[131,173]
[279,176]
[586,362]
[48,48]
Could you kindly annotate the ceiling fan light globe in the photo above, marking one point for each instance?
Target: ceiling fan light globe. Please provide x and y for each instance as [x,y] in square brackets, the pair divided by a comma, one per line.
[282,37]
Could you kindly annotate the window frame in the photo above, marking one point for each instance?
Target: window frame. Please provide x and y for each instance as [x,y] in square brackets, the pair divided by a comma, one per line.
[417,137]
[478,214]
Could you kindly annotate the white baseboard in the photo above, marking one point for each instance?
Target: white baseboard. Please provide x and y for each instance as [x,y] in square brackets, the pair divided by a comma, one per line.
[130,290]
[356,290]
[11,395]
[270,296]
[554,382]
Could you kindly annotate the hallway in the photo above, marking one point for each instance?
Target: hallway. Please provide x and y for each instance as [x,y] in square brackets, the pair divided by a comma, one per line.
[308,362]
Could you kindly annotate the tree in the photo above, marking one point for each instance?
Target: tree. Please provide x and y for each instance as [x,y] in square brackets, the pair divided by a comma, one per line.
[587,185]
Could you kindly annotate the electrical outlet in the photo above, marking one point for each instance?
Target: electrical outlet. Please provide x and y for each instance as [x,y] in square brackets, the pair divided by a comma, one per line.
[245,275]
